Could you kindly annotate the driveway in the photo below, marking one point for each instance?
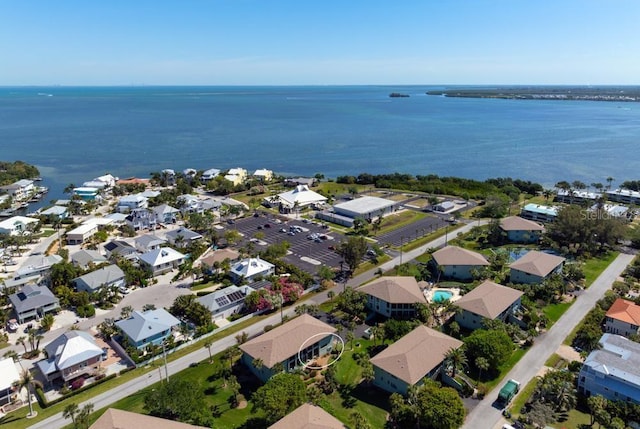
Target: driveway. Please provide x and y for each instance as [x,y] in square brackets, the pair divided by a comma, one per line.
[485,415]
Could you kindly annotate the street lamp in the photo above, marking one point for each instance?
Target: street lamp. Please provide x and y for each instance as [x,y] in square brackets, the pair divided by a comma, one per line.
[401,240]
[164,354]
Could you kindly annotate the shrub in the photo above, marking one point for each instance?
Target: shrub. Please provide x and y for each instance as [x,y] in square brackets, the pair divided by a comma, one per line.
[575,366]
[77,383]
[267,328]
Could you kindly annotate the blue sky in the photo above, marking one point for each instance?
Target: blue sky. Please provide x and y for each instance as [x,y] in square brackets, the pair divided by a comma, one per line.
[285,42]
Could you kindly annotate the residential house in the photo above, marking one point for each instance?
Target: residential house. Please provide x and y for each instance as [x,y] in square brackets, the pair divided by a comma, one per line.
[457,263]
[81,234]
[251,268]
[225,302]
[150,327]
[148,242]
[210,174]
[87,193]
[237,176]
[161,260]
[20,190]
[182,237]
[535,267]
[292,182]
[612,370]
[411,359]
[132,202]
[119,419]
[85,258]
[120,248]
[293,344]
[117,219]
[572,196]
[37,266]
[8,378]
[165,213]
[520,230]
[539,213]
[17,225]
[33,301]
[140,219]
[208,262]
[394,296]
[71,355]
[308,416]
[55,213]
[263,175]
[623,318]
[109,276]
[488,300]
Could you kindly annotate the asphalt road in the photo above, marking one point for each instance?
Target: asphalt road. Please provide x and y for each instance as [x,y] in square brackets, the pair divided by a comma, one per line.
[485,415]
[107,398]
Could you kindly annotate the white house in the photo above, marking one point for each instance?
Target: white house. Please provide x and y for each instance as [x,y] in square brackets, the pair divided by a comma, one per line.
[161,260]
[17,225]
[82,233]
[20,190]
[210,174]
[250,268]
[623,318]
[131,202]
[263,174]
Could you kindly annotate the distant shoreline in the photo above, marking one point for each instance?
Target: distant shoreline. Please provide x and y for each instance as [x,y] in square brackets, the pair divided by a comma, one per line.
[620,94]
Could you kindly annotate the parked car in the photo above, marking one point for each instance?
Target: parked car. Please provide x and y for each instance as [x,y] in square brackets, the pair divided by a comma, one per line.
[267,225]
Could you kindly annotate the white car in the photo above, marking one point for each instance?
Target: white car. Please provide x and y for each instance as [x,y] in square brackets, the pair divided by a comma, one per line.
[123,290]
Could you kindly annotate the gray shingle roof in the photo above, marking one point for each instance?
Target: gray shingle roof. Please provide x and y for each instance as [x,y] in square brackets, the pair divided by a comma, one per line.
[144,325]
[32,297]
[103,276]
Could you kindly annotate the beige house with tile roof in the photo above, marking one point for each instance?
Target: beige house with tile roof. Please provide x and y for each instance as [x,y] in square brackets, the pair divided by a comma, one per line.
[299,340]
[411,359]
[394,296]
[623,318]
[488,300]
[119,419]
[521,230]
[535,267]
[308,416]
[458,263]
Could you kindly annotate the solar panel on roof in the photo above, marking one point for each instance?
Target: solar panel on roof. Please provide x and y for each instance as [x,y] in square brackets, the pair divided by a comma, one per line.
[235,296]
[222,301]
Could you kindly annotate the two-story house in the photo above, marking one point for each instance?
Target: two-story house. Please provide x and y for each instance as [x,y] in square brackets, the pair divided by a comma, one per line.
[623,318]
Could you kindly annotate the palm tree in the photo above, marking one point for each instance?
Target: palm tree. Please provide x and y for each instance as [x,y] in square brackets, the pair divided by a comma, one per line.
[26,381]
[258,364]
[70,412]
[22,341]
[482,364]
[83,416]
[609,182]
[455,358]
[126,311]
[207,345]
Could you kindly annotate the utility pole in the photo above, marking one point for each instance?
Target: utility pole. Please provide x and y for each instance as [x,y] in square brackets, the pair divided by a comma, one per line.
[164,354]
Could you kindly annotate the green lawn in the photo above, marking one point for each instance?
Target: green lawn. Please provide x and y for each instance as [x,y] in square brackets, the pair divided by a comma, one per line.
[595,266]
[506,367]
[555,311]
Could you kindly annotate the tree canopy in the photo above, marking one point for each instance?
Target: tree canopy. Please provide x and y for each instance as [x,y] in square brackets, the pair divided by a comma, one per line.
[281,395]
[178,400]
[495,346]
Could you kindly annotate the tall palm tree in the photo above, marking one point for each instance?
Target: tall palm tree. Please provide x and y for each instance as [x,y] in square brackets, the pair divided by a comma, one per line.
[23,342]
[482,364]
[26,381]
[70,412]
[207,345]
[609,182]
[455,358]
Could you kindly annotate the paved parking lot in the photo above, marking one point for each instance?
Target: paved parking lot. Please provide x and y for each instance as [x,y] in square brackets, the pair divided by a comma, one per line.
[412,231]
[305,253]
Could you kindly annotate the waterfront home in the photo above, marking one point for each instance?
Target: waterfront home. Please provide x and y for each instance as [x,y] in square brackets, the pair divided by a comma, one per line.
[624,196]
[85,258]
[612,370]
[308,416]
[251,268]
[149,327]
[182,237]
[17,225]
[120,248]
[81,234]
[488,300]
[165,213]
[293,344]
[71,355]
[148,242]
[237,176]
[572,196]
[623,318]
[457,263]
[9,377]
[88,193]
[37,266]
[394,296]
[413,358]
[535,267]
[108,180]
[225,302]
[210,174]
[539,213]
[132,202]
[55,213]
[296,181]
[105,277]
[119,419]
[162,260]
[20,190]
[141,219]
[263,175]
[520,230]
[33,301]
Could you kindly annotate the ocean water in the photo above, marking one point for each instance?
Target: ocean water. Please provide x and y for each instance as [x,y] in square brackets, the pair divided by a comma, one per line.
[76,133]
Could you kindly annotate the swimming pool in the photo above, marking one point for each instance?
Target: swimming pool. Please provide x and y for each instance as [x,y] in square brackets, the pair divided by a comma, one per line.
[442,295]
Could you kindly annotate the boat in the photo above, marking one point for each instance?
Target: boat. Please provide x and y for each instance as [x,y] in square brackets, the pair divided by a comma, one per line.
[37,179]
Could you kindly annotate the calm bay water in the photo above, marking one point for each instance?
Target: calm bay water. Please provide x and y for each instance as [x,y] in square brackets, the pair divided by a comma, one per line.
[75,134]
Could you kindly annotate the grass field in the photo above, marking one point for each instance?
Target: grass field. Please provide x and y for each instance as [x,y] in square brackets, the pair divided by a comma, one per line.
[595,266]
[555,311]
